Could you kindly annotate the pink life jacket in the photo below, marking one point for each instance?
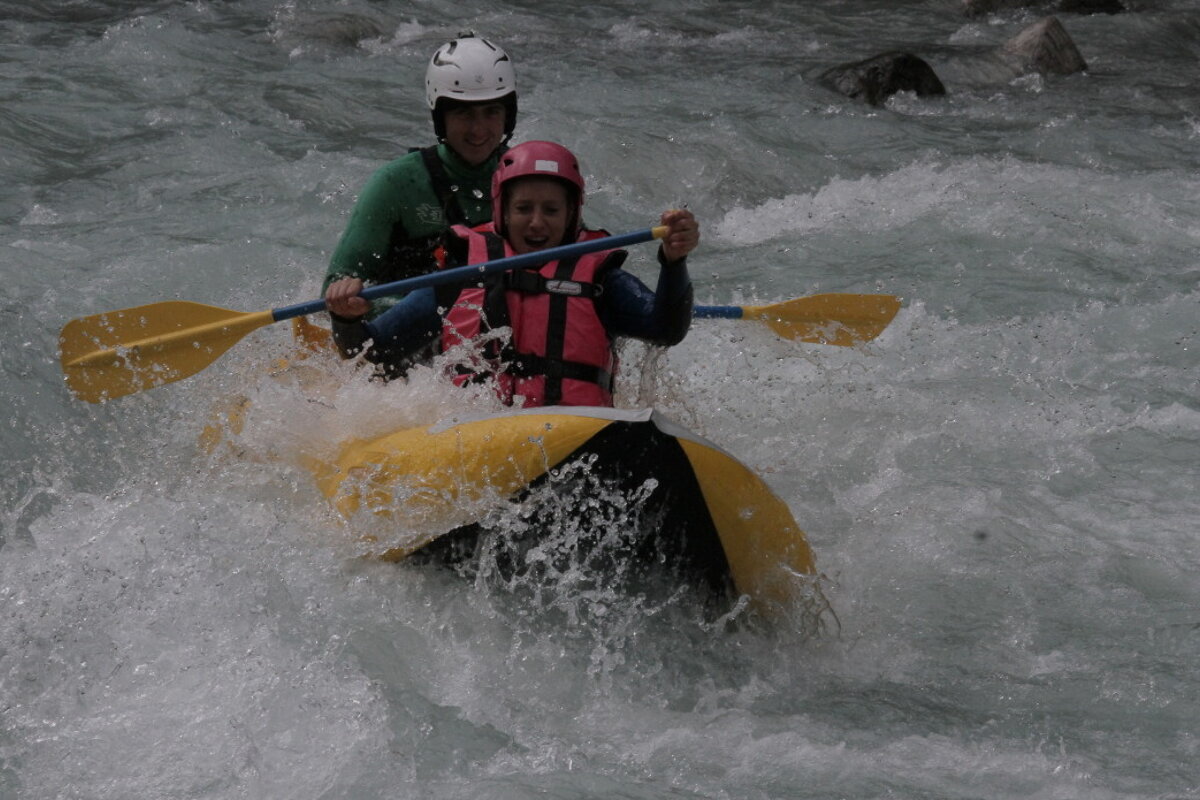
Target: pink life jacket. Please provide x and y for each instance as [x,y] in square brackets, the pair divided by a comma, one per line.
[559,352]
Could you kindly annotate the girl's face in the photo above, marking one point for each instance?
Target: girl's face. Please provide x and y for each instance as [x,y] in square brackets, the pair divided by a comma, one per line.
[535,214]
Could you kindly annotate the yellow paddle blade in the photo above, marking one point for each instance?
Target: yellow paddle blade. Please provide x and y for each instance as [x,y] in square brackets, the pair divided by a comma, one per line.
[314,338]
[838,319]
[121,352]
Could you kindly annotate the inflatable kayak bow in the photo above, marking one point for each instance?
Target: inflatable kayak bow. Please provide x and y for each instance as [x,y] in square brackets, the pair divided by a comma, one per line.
[716,514]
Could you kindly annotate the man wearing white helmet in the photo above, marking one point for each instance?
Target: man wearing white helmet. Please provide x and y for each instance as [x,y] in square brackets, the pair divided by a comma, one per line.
[406,205]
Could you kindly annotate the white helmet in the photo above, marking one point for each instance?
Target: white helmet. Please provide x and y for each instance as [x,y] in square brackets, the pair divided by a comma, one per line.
[470,69]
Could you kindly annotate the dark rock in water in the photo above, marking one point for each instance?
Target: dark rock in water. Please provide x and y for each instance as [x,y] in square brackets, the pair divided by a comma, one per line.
[1091,7]
[876,79]
[323,30]
[340,29]
[1045,47]
[977,8]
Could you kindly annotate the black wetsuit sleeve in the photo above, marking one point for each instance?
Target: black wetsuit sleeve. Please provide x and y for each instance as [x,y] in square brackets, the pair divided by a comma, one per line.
[349,335]
[662,317]
[397,336]
[407,327]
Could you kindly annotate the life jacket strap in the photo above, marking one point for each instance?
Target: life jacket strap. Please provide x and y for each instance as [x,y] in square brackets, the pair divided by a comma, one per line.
[527,365]
[442,186]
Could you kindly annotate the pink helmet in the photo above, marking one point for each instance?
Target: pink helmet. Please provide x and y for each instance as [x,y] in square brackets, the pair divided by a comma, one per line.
[527,159]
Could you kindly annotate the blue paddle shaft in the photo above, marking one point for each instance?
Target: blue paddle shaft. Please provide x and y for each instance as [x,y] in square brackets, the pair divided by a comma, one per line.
[457,274]
[717,312]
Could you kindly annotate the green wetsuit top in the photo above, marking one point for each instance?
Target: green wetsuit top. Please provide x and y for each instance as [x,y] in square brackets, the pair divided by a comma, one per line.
[401,214]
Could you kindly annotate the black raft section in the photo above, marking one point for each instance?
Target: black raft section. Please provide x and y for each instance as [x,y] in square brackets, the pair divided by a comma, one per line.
[575,508]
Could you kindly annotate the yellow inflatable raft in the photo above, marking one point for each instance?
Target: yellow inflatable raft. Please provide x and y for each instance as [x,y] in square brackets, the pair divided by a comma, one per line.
[709,510]
[420,493]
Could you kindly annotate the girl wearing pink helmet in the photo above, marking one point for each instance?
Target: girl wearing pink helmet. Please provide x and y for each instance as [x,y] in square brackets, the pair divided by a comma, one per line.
[561,317]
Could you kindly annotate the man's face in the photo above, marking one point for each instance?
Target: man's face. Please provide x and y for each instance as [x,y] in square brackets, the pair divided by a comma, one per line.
[475,130]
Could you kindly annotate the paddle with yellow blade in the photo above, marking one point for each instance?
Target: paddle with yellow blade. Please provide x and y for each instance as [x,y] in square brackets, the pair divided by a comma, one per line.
[122,352]
[838,319]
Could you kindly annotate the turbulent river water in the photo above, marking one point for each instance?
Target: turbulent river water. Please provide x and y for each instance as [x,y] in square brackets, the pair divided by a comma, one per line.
[1001,490]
